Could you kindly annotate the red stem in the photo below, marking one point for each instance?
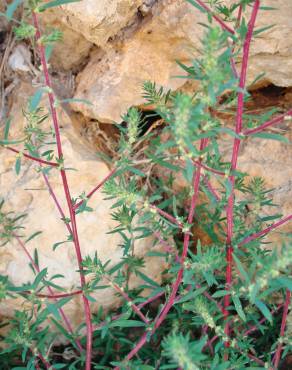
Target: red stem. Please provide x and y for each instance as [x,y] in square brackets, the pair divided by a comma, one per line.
[255,327]
[90,194]
[272,122]
[37,269]
[217,172]
[211,188]
[168,305]
[57,203]
[282,330]
[55,296]
[223,25]
[167,216]
[39,160]
[67,193]
[132,304]
[235,151]
[45,362]
[265,231]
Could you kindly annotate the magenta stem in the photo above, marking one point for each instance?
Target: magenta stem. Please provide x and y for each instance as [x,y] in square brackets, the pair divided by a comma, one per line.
[37,269]
[282,330]
[57,203]
[223,25]
[55,296]
[39,160]
[272,122]
[167,216]
[210,169]
[235,152]
[171,301]
[45,362]
[90,194]
[265,231]
[132,304]
[67,193]
[211,189]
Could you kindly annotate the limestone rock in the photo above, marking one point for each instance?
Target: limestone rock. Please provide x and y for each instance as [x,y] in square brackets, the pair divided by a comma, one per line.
[112,80]
[150,54]
[98,20]
[71,52]
[28,193]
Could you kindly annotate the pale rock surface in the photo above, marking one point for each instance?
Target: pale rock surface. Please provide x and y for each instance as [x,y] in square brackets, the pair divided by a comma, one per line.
[27,193]
[71,52]
[112,80]
[98,20]
[20,59]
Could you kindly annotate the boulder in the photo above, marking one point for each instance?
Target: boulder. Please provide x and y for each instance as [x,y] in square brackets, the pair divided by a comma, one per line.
[113,80]
[98,20]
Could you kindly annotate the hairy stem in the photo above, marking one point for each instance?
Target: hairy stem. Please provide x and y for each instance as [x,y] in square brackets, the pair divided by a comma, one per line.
[282,330]
[222,24]
[231,179]
[272,122]
[265,231]
[66,191]
[35,159]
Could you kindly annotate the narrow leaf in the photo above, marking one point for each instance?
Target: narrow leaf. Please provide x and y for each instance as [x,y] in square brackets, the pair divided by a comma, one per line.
[33,236]
[12,8]
[238,307]
[6,129]
[18,166]
[264,310]
[270,136]
[35,100]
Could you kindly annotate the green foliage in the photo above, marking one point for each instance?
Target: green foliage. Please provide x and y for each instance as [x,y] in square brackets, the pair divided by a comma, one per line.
[152,190]
[24,31]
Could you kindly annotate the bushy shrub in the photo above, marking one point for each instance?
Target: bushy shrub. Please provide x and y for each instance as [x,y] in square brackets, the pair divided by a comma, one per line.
[215,308]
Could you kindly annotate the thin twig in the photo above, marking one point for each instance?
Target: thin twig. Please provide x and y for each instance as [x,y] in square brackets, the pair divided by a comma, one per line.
[35,159]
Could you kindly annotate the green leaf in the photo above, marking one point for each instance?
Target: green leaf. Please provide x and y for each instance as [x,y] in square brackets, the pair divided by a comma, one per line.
[264,310]
[18,166]
[241,269]
[263,29]
[147,279]
[10,142]
[40,276]
[12,8]
[285,281]
[55,3]
[6,129]
[191,295]
[35,100]
[48,51]
[270,136]
[126,323]
[196,6]
[33,236]
[238,307]
[75,100]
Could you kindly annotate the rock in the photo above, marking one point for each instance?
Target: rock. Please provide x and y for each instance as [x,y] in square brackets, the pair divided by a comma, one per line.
[71,52]
[120,72]
[99,20]
[27,193]
[170,34]
[20,59]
